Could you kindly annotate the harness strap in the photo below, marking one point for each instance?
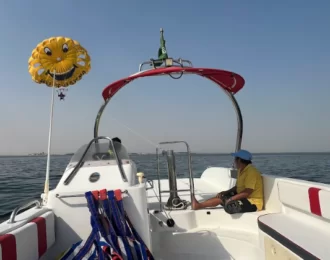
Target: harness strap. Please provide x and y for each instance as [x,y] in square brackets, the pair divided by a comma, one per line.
[117,216]
[120,204]
[96,223]
[140,247]
[119,222]
[108,216]
[145,250]
[113,236]
[86,249]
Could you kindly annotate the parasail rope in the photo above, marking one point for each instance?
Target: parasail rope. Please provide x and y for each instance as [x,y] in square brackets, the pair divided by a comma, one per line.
[136,133]
[46,189]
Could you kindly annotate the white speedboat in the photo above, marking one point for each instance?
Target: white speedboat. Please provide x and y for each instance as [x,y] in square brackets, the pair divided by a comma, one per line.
[295,222]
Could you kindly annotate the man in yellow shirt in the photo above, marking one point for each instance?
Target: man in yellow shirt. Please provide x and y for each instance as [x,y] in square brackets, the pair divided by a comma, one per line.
[246,195]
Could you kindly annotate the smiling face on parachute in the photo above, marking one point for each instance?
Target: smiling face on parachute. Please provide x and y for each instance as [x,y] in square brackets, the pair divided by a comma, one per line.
[59,56]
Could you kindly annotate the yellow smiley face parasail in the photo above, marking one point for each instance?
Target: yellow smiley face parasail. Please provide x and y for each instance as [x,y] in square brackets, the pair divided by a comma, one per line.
[61,57]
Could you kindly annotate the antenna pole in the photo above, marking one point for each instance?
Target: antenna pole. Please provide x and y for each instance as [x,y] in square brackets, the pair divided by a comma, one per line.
[46,189]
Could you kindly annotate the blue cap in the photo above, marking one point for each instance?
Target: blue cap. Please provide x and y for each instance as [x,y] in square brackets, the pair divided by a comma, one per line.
[243,154]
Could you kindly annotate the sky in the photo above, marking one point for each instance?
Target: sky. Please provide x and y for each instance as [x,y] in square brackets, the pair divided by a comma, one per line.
[280,48]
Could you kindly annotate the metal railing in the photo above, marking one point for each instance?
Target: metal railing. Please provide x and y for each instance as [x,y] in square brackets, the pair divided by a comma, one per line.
[37,203]
[77,195]
[191,177]
[80,163]
[231,96]
[179,63]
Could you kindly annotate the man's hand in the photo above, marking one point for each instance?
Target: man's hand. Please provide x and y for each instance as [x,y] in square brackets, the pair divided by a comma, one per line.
[242,195]
[220,194]
[228,200]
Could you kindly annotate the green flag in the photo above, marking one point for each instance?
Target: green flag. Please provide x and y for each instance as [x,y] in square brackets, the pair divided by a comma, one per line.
[162,53]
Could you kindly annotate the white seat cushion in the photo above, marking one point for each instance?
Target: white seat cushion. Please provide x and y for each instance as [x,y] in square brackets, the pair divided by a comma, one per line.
[304,239]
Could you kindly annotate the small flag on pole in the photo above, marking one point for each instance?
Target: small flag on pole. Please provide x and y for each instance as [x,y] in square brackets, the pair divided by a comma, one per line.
[162,53]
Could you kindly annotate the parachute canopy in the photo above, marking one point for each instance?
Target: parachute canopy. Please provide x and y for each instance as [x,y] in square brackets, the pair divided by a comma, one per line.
[59,58]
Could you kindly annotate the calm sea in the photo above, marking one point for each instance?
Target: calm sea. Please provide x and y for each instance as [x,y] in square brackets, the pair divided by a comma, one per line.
[22,178]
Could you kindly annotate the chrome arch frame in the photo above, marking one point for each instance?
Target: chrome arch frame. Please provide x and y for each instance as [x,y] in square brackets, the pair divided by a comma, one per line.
[239,117]
[98,117]
[229,94]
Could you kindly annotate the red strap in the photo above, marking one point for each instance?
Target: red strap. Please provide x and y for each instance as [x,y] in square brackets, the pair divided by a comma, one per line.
[95,194]
[115,256]
[103,194]
[106,249]
[118,195]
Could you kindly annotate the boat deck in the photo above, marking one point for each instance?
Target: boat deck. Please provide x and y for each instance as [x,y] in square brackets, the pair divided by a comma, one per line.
[201,234]
[203,190]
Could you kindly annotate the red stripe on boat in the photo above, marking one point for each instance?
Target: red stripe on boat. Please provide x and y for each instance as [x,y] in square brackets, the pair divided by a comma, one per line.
[8,247]
[314,201]
[42,235]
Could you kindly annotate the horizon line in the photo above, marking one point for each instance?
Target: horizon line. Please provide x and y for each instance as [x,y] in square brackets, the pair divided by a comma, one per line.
[149,153]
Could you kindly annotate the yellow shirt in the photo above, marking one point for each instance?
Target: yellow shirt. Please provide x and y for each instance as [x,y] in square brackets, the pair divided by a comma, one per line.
[250,178]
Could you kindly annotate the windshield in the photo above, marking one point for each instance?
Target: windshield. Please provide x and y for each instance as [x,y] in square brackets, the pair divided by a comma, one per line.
[100,152]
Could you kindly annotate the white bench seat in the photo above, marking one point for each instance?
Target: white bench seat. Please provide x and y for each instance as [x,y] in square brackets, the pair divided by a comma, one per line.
[303,239]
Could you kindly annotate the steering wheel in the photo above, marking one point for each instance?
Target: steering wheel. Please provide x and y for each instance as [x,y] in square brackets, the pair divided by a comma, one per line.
[101,156]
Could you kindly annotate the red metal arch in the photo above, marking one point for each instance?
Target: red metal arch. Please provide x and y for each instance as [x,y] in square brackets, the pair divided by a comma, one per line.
[227,80]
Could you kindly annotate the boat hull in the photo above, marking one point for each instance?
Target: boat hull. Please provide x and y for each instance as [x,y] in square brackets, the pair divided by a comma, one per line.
[202,234]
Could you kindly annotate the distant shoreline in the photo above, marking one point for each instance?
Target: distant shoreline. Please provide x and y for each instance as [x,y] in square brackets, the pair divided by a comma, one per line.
[144,154]
[36,155]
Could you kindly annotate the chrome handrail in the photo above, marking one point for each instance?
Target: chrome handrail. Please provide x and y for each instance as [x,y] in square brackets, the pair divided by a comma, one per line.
[76,195]
[21,207]
[98,118]
[180,63]
[239,118]
[79,164]
[191,177]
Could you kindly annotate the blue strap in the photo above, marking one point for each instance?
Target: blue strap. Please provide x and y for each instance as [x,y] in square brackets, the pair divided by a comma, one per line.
[84,250]
[111,228]
[70,251]
[136,235]
[117,216]
[97,244]
[120,225]
[87,247]
[127,230]
[122,212]
[109,216]
[96,256]
[96,223]
[138,250]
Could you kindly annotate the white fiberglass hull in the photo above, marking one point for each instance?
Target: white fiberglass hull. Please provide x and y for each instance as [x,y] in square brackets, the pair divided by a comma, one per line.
[201,234]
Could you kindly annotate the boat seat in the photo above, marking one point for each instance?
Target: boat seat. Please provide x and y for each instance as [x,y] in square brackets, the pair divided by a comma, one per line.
[30,241]
[304,239]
